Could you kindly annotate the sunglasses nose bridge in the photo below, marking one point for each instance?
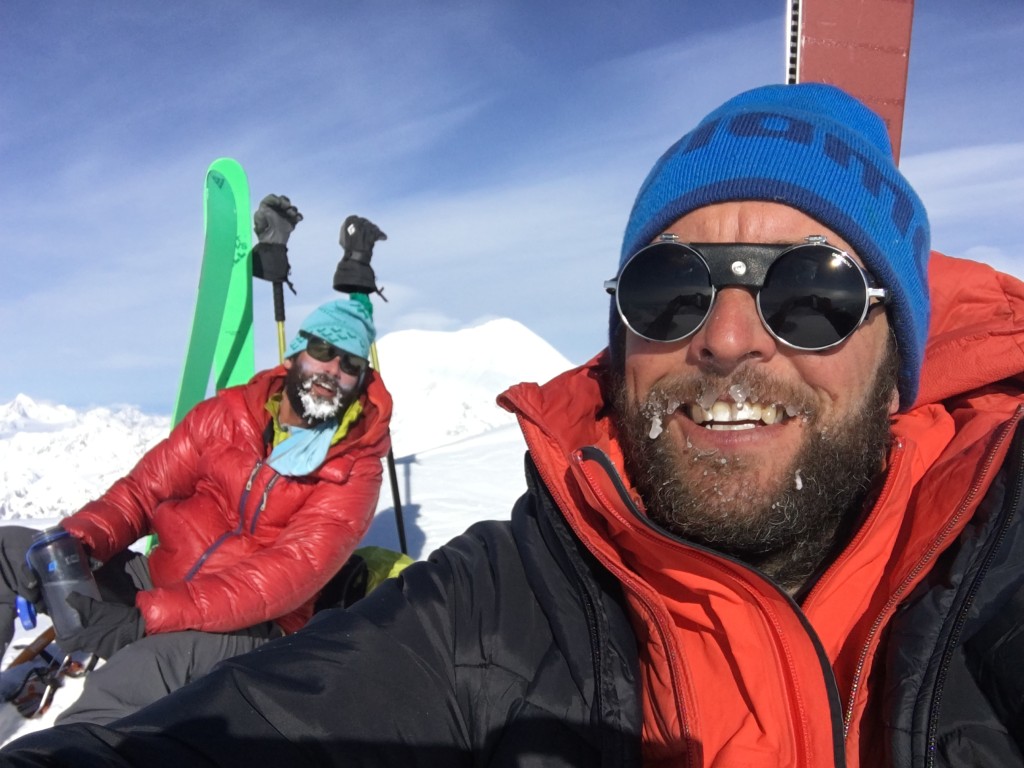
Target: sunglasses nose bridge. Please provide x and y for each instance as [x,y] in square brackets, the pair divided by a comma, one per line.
[732,332]
[737,271]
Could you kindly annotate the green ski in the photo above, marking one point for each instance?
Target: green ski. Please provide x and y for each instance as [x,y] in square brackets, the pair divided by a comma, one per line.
[221,343]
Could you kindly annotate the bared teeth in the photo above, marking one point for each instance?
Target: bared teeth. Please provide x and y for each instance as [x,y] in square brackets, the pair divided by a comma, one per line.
[722,412]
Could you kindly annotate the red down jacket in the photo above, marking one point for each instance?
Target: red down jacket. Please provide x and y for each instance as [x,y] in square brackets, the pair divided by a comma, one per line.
[240,544]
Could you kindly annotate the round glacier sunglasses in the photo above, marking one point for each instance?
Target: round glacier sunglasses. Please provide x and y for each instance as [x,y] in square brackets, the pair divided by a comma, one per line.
[810,296]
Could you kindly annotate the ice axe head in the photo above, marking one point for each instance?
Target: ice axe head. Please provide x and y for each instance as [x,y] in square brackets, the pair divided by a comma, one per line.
[354,273]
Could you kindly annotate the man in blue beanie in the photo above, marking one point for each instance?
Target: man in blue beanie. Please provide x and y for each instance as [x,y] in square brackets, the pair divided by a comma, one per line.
[257,498]
[778,522]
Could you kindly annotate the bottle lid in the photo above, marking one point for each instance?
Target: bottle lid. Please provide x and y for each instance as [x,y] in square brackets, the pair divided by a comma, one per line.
[47,535]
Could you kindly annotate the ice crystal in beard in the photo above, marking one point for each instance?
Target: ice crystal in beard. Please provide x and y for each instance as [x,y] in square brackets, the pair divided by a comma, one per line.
[316,408]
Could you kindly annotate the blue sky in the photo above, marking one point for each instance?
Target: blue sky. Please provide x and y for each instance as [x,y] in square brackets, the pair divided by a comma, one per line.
[498,144]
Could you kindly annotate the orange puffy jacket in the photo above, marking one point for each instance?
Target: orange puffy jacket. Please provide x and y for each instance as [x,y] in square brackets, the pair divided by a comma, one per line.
[733,672]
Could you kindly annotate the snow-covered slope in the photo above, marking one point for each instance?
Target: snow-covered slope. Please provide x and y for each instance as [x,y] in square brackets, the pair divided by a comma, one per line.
[444,384]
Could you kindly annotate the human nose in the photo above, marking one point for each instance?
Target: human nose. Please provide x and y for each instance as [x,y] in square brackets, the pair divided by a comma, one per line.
[347,380]
[732,334]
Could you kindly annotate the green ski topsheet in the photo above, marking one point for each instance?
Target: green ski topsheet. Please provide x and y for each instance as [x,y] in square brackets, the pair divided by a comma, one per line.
[221,343]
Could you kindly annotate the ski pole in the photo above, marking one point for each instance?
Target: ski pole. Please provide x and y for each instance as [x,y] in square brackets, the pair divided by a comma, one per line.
[392,471]
[354,276]
[274,221]
[279,318]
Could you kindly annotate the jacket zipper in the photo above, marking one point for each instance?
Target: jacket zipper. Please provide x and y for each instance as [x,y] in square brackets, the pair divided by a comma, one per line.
[627,579]
[589,606]
[263,504]
[241,519]
[961,618]
[894,465]
[595,642]
[897,597]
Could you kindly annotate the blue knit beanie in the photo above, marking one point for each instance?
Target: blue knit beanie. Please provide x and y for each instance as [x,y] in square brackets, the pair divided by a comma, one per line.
[345,323]
[815,148]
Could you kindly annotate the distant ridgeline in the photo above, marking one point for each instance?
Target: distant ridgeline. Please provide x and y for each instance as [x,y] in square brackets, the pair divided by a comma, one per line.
[53,459]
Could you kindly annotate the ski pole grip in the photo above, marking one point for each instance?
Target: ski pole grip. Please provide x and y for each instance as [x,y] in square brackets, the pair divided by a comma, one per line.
[278,301]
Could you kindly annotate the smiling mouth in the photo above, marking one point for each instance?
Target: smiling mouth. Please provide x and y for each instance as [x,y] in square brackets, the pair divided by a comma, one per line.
[320,384]
[732,406]
[725,415]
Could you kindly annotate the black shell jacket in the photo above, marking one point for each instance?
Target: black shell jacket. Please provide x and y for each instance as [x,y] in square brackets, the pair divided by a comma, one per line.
[954,671]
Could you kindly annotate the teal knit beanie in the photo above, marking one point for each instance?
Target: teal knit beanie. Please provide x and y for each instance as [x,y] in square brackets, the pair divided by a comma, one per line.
[345,323]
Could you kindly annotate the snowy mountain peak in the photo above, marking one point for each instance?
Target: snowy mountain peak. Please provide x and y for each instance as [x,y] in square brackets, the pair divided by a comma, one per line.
[23,413]
[444,384]
[53,459]
[500,348]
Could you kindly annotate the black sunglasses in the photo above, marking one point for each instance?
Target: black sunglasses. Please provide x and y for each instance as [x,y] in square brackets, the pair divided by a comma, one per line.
[810,296]
[324,351]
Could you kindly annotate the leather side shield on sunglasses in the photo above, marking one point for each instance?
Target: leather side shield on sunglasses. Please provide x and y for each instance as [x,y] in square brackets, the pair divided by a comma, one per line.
[810,296]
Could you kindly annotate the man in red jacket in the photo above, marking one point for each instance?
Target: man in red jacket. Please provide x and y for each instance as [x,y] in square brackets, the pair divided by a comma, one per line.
[257,498]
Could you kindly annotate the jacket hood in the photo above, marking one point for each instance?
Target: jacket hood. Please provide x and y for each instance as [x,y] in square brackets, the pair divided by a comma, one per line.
[976,337]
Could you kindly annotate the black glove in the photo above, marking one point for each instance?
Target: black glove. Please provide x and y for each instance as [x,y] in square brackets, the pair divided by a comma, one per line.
[106,627]
[358,236]
[16,577]
[354,273]
[274,221]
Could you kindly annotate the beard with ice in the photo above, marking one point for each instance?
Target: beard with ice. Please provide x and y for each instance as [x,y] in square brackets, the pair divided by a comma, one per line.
[312,408]
[786,527]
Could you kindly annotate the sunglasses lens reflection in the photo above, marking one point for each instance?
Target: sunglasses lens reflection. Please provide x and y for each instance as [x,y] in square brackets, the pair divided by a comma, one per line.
[352,365]
[813,297]
[664,292]
[321,350]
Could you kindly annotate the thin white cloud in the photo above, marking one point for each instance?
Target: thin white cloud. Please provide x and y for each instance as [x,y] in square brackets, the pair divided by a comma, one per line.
[965,182]
[974,195]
